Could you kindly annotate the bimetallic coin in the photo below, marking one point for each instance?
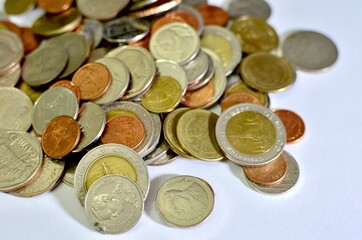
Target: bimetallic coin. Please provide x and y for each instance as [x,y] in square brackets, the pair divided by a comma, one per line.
[256,8]
[15,110]
[309,51]
[114,204]
[250,134]
[21,159]
[11,50]
[293,124]
[110,159]
[185,201]
[287,182]
[101,10]
[10,78]
[174,70]
[196,70]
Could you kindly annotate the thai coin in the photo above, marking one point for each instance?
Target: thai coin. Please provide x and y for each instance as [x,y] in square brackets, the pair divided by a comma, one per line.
[157,133]
[288,181]
[137,5]
[224,43]
[110,159]
[256,8]
[236,98]
[21,159]
[176,41]
[114,204]
[158,153]
[16,7]
[293,123]
[194,3]
[174,70]
[15,110]
[91,120]
[168,158]
[11,78]
[52,7]
[185,8]
[309,51]
[98,53]
[44,65]
[185,201]
[250,134]
[48,178]
[206,79]
[11,50]
[104,10]
[196,134]
[140,65]
[143,115]
[158,8]
[68,84]
[197,69]
[51,104]
[199,97]
[96,28]
[71,163]
[120,80]
[266,72]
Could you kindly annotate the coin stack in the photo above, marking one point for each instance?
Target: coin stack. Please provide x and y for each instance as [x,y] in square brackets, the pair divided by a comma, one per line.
[115,86]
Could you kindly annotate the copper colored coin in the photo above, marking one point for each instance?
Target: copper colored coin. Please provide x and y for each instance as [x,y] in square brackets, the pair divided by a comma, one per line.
[236,98]
[12,27]
[293,124]
[93,80]
[165,20]
[213,15]
[60,137]
[30,40]
[187,18]
[126,130]
[144,42]
[70,85]
[58,6]
[269,173]
[200,97]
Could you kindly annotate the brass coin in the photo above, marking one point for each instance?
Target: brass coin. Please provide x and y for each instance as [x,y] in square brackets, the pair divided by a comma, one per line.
[241,87]
[16,7]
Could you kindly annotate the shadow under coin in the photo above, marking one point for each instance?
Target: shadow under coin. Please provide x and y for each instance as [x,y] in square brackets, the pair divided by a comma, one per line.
[239,173]
[150,203]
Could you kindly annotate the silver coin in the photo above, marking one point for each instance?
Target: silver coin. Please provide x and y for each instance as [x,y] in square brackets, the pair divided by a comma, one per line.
[197,68]
[245,159]
[98,53]
[144,116]
[10,78]
[176,41]
[174,70]
[16,110]
[96,28]
[309,51]
[106,150]
[288,181]
[120,80]
[52,103]
[256,8]
[194,3]
[183,7]
[141,66]
[114,204]
[21,159]
[168,158]
[230,59]
[11,50]
[158,152]
[207,78]
[137,5]
[92,121]
[157,133]
[88,35]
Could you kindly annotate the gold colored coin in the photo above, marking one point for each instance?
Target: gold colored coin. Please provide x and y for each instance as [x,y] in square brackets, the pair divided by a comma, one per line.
[254,34]
[33,93]
[107,165]
[196,134]
[164,95]
[266,72]
[17,7]
[241,87]
[119,112]
[220,45]
[251,133]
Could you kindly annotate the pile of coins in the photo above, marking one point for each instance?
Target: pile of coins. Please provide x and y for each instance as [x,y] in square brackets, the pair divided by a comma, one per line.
[114,97]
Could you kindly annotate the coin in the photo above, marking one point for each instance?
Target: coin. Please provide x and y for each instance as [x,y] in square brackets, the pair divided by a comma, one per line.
[10,78]
[33,93]
[250,134]
[197,69]
[58,6]
[114,204]
[21,159]
[267,72]
[97,54]
[11,50]
[96,28]
[15,110]
[199,97]
[137,5]
[191,15]
[168,158]
[30,40]
[256,8]
[196,134]
[309,50]
[213,15]
[174,70]
[104,10]
[185,201]
[242,97]
[158,153]
[156,119]
[17,7]
[168,18]
[68,84]
[157,8]
[293,124]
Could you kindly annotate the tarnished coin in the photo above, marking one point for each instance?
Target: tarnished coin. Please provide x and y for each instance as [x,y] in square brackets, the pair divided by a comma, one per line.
[101,10]
[11,78]
[110,159]
[15,110]
[11,50]
[44,65]
[256,8]
[174,70]
[21,159]
[185,201]
[293,124]
[16,7]
[287,182]
[309,51]
[175,41]
[250,134]
[114,204]
[48,178]
[197,68]
[52,103]
[58,6]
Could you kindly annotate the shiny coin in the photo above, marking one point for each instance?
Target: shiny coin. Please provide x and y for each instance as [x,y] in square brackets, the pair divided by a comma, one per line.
[21,159]
[68,84]
[10,78]
[101,10]
[16,7]
[309,51]
[159,152]
[256,8]
[266,72]
[293,124]
[236,98]
[250,134]
[114,204]
[157,8]
[174,70]
[168,158]
[11,50]
[288,181]
[213,15]
[185,201]
[15,110]
[196,70]
[58,6]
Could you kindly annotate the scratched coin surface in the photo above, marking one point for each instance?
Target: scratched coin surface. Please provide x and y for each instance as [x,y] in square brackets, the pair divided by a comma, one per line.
[114,204]
[11,50]
[185,201]
[293,123]
[101,10]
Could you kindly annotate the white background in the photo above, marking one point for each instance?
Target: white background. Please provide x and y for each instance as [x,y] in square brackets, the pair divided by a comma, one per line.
[327,200]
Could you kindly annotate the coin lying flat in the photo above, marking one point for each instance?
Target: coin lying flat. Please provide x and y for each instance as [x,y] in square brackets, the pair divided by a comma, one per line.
[101,10]
[256,8]
[174,70]
[58,6]
[185,201]
[68,84]
[17,7]
[233,99]
[199,97]
[11,50]
[114,204]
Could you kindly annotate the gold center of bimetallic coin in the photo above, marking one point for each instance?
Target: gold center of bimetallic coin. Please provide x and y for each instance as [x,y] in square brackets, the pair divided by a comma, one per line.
[250,133]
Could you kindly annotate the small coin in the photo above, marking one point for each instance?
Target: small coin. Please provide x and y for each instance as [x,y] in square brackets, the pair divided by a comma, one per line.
[256,8]
[114,204]
[17,7]
[293,124]
[11,50]
[101,10]
[159,152]
[185,201]
[68,84]
[213,15]
[7,25]
[197,69]
[199,97]
[58,6]
[10,78]
[96,28]
[157,8]
[174,70]
[168,158]
[97,54]
[242,97]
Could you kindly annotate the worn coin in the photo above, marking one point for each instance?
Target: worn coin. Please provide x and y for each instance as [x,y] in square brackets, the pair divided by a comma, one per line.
[256,8]
[293,124]
[11,78]
[101,10]
[11,50]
